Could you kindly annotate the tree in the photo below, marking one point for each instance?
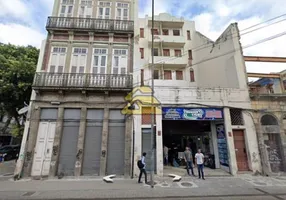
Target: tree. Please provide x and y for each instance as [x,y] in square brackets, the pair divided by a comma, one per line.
[17,69]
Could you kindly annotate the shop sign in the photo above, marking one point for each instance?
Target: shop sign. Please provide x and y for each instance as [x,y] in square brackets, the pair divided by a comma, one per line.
[192,113]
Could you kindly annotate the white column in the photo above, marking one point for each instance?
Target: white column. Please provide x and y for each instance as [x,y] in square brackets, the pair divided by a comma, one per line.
[159,145]
[251,143]
[214,142]
[137,142]
[230,142]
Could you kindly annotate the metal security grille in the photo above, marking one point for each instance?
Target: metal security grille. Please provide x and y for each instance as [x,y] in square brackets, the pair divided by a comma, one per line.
[236,117]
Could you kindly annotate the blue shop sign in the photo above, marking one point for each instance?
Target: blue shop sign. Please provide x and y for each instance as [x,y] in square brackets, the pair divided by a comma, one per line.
[192,113]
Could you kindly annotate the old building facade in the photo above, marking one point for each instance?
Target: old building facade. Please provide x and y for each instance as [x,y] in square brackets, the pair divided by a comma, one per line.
[75,124]
[201,96]
[268,99]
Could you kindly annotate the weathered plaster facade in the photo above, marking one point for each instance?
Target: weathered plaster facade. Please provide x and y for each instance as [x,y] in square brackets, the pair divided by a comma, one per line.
[219,80]
[64,83]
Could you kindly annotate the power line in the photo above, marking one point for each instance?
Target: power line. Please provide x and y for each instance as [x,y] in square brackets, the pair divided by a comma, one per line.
[212,44]
[243,47]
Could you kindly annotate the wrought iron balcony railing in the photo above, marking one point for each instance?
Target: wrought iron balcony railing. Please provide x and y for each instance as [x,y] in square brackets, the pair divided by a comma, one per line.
[87,81]
[90,24]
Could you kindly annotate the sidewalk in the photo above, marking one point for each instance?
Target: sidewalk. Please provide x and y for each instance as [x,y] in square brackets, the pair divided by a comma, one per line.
[213,188]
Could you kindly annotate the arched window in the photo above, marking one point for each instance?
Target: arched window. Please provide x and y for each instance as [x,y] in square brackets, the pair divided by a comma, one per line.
[268,120]
[192,75]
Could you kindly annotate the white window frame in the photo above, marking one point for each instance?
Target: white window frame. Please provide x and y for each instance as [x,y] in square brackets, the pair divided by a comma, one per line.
[67,4]
[104,6]
[119,54]
[86,4]
[122,7]
[80,51]
[99,54]
[58,51]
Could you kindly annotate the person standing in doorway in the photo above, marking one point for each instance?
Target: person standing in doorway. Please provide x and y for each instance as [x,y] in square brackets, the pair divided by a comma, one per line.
[200,163]
[143,169]
[189,161]
[166,151]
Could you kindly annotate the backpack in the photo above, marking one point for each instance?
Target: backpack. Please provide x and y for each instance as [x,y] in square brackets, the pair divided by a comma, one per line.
[140,164]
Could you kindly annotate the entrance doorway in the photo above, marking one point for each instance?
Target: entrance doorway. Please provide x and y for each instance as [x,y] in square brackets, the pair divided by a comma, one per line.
[240,150]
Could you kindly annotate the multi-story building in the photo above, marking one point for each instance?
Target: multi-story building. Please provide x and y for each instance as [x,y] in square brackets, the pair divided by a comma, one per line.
[84,73]
[268,99]
[202,90]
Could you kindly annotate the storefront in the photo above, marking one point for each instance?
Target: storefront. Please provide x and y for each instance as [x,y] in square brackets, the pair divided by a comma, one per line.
[196,128]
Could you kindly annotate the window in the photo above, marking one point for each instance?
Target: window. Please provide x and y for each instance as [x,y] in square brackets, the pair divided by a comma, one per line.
[165,32]
[190,55]
[155,31]
[156,52]
[192,75]
[120,61]
[122,5]
[156,74]
[188,35]
[57,60]
[67,1]
[178,53]
[104,4]
[167,75]
[142,53]
[179,75]
[166,52]
[176,32]
[80,50]
[141,32]
[59,50]
[99,61]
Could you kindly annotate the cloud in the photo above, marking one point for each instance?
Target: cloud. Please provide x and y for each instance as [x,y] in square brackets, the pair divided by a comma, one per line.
[20,35]
[22,22]
[215,15]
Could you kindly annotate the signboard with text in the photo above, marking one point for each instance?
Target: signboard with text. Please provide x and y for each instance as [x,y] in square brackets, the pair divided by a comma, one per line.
[192,113]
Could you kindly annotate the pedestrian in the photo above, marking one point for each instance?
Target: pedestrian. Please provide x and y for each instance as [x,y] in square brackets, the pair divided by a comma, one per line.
[166,151]
[189,161]
[200,164]
[142,168]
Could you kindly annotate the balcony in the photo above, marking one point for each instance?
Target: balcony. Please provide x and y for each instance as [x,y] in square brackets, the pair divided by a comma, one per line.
[168,40]
[90,24]
[179,61]
[70,81]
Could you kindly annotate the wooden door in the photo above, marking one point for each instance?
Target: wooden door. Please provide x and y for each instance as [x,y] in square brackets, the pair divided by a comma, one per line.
[240,150]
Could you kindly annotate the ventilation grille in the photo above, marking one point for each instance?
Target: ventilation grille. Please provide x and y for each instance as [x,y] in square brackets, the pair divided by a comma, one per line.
[236,117]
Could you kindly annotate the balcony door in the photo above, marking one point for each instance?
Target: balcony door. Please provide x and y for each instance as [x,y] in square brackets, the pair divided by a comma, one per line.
[85,13]
[99,67]
[78,66]
[56,66]
[66,10]
[119,63]
[122,15]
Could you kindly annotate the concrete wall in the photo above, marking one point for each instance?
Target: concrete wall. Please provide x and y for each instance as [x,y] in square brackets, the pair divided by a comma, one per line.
[220,63]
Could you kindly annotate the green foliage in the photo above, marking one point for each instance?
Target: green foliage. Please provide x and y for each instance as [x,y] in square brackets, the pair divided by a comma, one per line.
[16,130]
[17,69]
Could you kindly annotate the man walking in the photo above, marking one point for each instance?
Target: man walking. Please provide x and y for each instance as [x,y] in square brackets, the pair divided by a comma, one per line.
[200,163]
[189,160]
[142,169]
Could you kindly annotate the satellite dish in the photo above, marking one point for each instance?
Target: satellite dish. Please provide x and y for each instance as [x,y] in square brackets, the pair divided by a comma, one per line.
[23,110]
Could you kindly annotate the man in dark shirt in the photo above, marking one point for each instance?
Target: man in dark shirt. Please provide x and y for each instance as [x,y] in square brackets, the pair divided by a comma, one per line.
[189,160]
[143,170]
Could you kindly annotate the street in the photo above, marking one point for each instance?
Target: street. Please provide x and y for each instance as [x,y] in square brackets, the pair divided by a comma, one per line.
[213,188]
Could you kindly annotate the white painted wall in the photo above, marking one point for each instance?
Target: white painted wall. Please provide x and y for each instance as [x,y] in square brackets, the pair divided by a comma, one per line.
[219,81]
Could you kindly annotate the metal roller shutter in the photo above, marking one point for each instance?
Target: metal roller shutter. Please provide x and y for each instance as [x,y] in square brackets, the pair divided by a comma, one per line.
[92,145]
[146,147]
[68,149]
[116,143]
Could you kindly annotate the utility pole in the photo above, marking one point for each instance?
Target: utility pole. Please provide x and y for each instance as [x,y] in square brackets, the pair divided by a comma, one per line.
[152,104]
